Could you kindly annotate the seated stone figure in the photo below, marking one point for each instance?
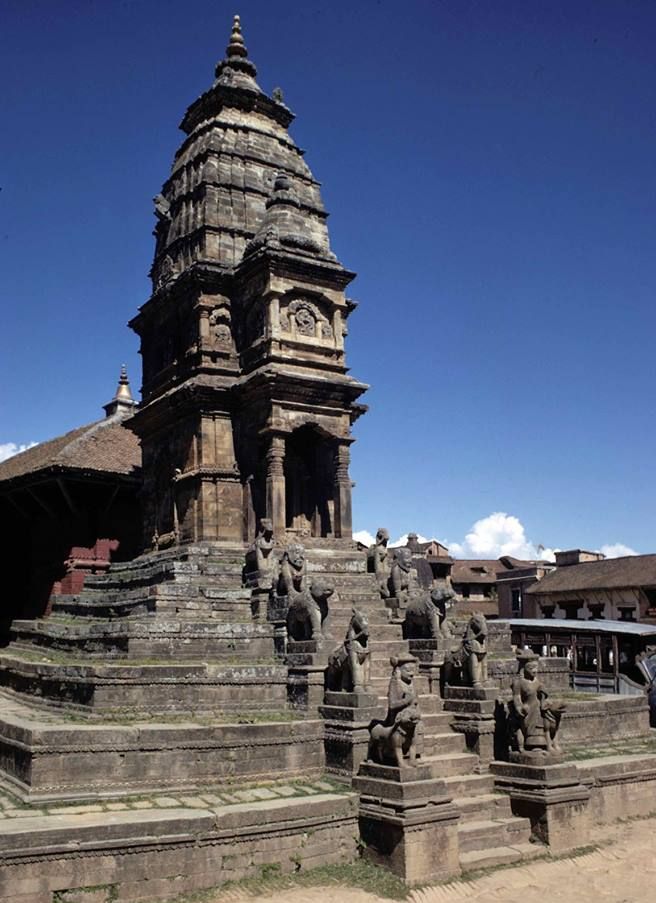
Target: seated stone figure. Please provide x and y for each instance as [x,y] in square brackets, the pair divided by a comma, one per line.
[399,739]
[378,561]
[425,616]
[349,665]
[260,557]
[399,581]
[534,719]
[307,605]
[466,665]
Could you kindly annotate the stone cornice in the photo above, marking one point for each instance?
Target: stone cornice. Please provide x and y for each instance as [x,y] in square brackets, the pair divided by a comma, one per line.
[219,96]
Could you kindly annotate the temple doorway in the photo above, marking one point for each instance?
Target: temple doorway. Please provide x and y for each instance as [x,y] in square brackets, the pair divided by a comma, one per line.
[309,483]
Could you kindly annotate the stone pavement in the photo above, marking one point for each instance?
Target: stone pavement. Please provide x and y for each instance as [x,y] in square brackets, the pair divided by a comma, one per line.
[623,870]
[212,801]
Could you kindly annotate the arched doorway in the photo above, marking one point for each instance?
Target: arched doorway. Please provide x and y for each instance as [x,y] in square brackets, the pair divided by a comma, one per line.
[309,482]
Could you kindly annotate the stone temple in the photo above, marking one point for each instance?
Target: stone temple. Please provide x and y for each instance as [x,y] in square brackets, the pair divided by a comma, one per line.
[251,692]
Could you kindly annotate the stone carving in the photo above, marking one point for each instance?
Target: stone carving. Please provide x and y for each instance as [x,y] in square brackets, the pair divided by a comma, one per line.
[293,571]
[534,719]
[260,560]
[400,576]
[466,666]
[307,606]
[326,331]
[425,616]
[277,95]
[399,739]
[162,208]
[307,611]
[349,665]
[305,322]
[378,561]
[166,272]
[221,332]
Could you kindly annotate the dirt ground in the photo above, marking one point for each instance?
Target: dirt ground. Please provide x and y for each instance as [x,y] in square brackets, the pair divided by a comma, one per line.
[622,870]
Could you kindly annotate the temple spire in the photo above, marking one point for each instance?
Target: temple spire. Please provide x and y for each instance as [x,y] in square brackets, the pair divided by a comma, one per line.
[236,67]
[236,47]
[122,402]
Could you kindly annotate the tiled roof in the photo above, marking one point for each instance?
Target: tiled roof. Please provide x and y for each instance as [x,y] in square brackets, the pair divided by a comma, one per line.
[610,573]
[104,446]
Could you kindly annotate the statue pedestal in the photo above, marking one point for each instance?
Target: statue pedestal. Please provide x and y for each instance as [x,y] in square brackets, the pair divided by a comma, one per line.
[430,655]
[407,822]
[552,797]
[346,737]
[306,671]
[474,711]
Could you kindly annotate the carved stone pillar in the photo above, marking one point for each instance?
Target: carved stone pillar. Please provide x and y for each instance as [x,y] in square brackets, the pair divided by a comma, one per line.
[343,514]
[275,484]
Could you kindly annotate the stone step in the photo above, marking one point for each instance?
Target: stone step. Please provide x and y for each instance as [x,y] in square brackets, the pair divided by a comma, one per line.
[443,744]
[477,860]
[486,833]
[484,806]
[469,785]
[451,764]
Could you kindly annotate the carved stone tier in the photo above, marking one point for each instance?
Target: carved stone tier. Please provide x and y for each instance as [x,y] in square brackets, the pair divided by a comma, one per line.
[348,717]
[474,711]
[430,655]
[306,667]
[408,822]
[552,797]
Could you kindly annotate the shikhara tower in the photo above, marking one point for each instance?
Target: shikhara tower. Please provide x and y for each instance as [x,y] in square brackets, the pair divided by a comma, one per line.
[247,403]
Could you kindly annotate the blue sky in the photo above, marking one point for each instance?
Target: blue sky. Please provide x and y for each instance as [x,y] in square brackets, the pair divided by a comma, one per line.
[489,169]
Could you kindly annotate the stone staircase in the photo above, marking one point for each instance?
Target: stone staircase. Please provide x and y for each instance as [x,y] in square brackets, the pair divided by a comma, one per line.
[489,834]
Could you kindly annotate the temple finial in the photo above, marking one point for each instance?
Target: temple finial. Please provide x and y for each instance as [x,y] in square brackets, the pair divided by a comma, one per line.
[236,47]
[236,64]
[122,402]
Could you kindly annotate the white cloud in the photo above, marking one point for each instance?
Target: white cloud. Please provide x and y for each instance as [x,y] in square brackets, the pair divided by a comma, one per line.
[496,535]
[617,550]
[402,540]
[364,537]
[9,449]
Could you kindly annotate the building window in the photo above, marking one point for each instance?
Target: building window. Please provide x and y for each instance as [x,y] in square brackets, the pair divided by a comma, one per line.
[517,603]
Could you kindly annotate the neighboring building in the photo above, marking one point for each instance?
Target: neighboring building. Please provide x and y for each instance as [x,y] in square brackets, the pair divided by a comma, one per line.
[72,504]
[476,581]
[512,585]
[586,585]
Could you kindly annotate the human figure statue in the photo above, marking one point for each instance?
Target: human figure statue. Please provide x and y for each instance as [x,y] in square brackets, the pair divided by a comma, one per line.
[399,739]
[425,616]
[350,664]
[534,719]
[466,665]
[293,571]
[378,558]
[400,576]
[260,558]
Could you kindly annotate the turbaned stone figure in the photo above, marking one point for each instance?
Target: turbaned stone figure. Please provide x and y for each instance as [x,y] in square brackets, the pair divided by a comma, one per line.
[534,719]
[260,557]
[378,561]
[399,739]
[400,576]
[350,664]
[466,665]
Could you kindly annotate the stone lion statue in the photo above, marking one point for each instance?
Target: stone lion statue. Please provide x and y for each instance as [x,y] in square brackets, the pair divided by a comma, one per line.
[425,616]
